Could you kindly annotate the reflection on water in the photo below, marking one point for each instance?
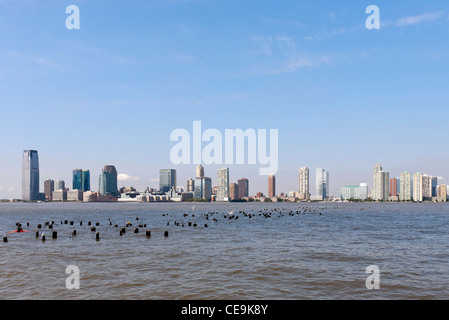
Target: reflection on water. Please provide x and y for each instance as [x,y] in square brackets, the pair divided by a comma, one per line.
[261,251]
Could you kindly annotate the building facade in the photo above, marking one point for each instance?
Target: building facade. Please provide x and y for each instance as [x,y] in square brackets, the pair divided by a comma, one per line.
[304,193]
[418,187]
[405,193]
[30,176]
[271,186]
[49,187]
[167,180]
[223,184]
[108,182]
[203,188]
[322,184]
[243,188]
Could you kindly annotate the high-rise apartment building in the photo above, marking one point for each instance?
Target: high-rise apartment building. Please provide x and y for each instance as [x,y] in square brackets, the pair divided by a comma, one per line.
[442,191]
[393,187]
[418,187]
[243,188]
[381,184]
[108,181]
[322,183]
[167,180]
[426,187]
[405,183]
[271,186]
[223,184]
[30,176]
[304,193]
[234,191]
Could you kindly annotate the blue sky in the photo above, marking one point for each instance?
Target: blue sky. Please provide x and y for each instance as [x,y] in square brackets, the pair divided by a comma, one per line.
[342,97]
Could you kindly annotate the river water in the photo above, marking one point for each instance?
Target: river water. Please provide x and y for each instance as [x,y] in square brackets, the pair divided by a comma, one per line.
[282,252]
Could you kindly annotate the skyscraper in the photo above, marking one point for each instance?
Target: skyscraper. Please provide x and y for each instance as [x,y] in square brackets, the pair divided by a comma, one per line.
[304,184]
[243,188]
[59,185]
[108,181]
[85,182]
[190,185]
[381,184]
[203,188]
[167,180]
[30,176]
[376,191]
[271,186]
[49,187]
[234,191]
[199,171]
[393,187]
[418,187]
[223,184]
[322,183]
[405,186]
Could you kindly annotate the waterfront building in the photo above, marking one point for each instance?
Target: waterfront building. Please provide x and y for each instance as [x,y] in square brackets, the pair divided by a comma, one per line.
[199,171]
[381,184]
[442,191]
[271,186]
[90,196]
[304,193]
[405,193]
[243,186]
[49,187]
[426,187]
[190,185]
[75,195]
[81,180]
[59,185]
[359,192]
[203,188]
[234,191]
[59,195]
[223,184]
[322,184]
[393,187]
[418,187]
[30,176]
[167,180]
[108,182]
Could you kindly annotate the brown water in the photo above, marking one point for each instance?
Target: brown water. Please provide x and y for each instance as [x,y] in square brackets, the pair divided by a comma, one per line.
[287,255]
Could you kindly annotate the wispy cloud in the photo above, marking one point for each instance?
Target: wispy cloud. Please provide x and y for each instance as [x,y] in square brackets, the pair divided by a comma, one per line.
[416,20]
[127,178]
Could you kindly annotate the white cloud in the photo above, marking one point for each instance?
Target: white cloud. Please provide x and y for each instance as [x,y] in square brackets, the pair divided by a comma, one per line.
[415,20]
[127,178]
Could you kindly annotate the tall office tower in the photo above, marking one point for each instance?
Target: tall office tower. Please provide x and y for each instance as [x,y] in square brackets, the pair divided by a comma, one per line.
[30,176]
[243,188]
[234,191]
[49,187]
[434,186]
[418,187]
[81,180]
[405,193]
[223,184]
[59,185]
[442,191]
[376,191]
[385,185]
[393,187]
[108,181]
[271,186]
[199,171]
[85,182]
[203,188]
[167,180]
[304,184]
[190,185]
[322,183]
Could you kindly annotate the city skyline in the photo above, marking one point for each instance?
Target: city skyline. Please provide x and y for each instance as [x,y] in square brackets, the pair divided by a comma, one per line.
[312,71]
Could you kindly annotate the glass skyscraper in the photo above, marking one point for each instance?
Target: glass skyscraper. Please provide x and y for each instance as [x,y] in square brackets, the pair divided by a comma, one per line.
[108,181]
[167,180]
[223,184]
[30,176]
[81,180]
[322,183]
[203,188]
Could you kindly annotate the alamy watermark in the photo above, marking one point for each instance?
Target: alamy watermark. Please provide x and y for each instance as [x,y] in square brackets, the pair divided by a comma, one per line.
[73,280]
[189,148]
[373,280]
[73,20]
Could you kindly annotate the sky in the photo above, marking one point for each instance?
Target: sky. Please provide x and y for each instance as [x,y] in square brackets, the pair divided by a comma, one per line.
[341,96]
